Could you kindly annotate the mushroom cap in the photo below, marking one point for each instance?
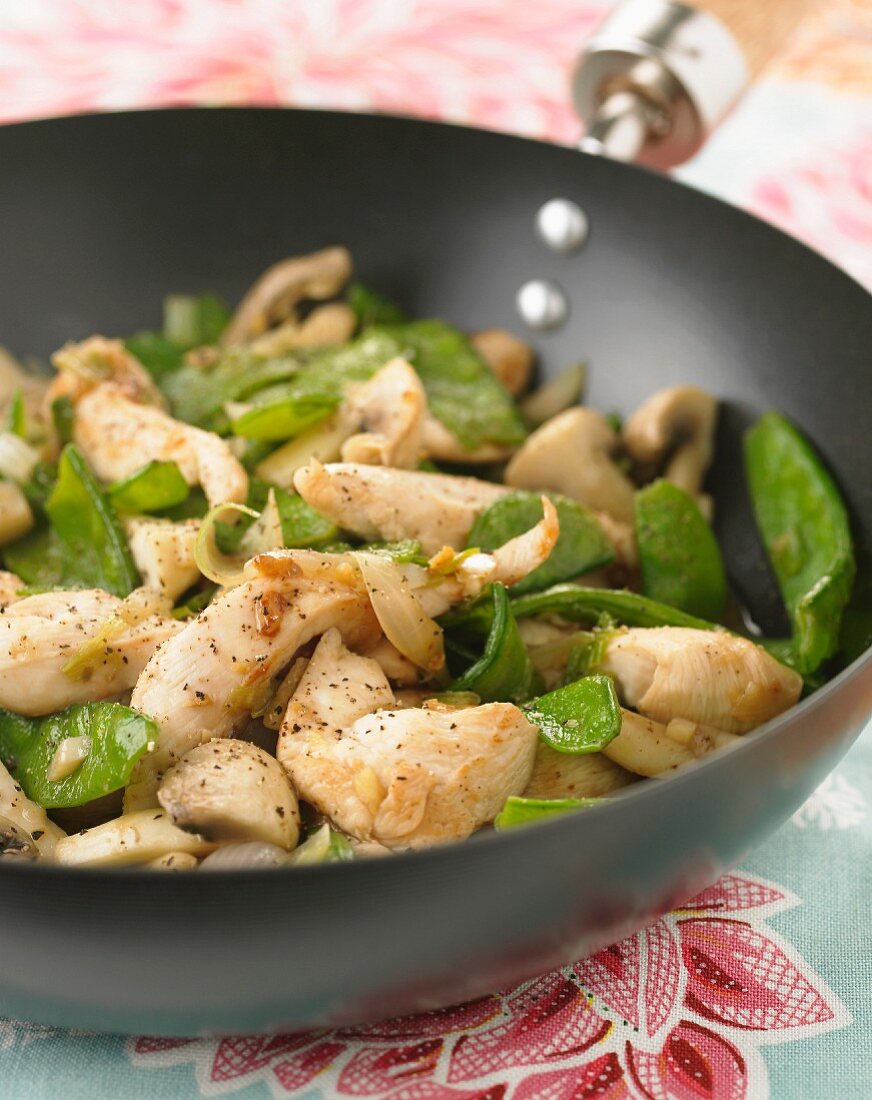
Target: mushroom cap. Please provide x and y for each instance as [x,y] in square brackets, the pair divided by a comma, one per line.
[571,454]
[677,424]
[232,790]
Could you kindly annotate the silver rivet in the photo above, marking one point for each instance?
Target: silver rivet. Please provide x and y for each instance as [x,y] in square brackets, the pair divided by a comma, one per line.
[562,225]
[542,304]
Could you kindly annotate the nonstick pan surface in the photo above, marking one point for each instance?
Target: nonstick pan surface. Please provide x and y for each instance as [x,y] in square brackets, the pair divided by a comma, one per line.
[101,216]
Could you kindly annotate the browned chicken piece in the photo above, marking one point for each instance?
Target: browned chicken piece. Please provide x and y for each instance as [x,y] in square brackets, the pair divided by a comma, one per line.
[407,778]
[705,676]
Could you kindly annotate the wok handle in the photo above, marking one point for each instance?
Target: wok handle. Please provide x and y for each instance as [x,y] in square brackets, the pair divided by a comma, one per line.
[659,75]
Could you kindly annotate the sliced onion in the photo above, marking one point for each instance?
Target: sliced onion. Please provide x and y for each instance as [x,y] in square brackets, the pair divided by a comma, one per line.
[322,442]
[405,623]
[17,457]
[556,395]
[69,755]
[241,857]
[265,533]
[313,850]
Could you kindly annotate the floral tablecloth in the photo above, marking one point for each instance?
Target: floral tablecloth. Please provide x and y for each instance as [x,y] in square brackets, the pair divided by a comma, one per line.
[760,986]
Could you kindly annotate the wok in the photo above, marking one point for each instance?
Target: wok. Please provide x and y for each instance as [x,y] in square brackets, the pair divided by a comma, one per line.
[100,216]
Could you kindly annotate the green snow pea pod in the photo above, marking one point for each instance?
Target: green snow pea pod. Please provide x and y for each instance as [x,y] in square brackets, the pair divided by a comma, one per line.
[527,811]
[112,738]
[678,553]
[504,671]
[158,485]
[578,718]
[804,526]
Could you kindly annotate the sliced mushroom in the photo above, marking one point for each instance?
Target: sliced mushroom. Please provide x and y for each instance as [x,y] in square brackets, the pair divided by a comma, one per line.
[404,778]
[572,454]
[228,790]
[704,676]
[86,365]
[508,357]
[226,664]
[649,748]
[132,838]
[675,426]
[275,295]
[390,408]
[378,503]
[23,822]
[16,518]
[562,775]
[60,648]
[118,436]
[163,552]
[333,323]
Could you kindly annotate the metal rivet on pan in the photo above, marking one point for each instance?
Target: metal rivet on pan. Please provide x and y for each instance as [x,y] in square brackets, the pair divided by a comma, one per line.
[542,304]
[562,225]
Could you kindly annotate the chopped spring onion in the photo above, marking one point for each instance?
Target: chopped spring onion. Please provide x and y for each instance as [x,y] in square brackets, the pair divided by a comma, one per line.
[264,534]
[17,457]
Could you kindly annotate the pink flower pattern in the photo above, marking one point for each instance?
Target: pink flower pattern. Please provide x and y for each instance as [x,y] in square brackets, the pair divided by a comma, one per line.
[679,1011]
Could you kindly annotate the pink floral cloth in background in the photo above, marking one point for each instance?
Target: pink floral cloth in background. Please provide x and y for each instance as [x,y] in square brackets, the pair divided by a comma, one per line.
[715,1001]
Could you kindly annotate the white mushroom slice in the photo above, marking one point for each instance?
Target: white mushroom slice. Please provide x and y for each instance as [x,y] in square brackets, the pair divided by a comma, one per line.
[230,790]
[650,748]
[377,503]
[10,585]
[508,357]
[572,454]
[555,395]
[83,632]
[390,408]
[333,323]
[86,365]
[676,425]
[563,775]
[118,436]
[443,445]
[404,778]
[18,809]
[710,677]
[132,838]
[163,552]
[226,663]
[16,518]
[281,287]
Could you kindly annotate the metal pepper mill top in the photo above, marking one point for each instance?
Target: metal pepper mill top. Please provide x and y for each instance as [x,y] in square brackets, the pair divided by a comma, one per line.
[655,79]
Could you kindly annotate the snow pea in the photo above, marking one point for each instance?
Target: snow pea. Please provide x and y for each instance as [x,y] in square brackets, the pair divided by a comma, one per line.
[83,545]
[158,355]
[680,560]
[372,308]
[581,546]
[804,526]
[504,670]
[527,811]
[579,718]
[117,738]
[587,605]
[158,485]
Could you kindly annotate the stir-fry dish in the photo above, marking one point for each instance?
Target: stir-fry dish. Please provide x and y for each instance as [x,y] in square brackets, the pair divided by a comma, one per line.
[314,581]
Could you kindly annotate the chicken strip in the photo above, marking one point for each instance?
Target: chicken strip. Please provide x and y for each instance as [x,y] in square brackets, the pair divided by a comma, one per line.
[41,635]
[227,662]
[107,422]
[405,778]
[711,677]
[83,366]
[390,410]
[377,503]
[10,584]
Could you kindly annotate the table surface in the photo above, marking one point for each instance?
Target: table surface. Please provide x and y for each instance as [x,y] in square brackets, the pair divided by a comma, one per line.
[760,986]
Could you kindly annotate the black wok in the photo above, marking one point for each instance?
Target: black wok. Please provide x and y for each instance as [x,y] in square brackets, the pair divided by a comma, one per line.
[99,217]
